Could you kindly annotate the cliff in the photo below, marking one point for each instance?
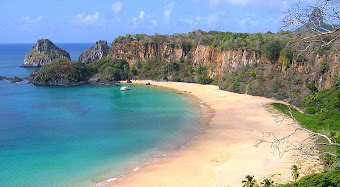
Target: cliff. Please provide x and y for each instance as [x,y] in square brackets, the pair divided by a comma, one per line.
[243,70]
[221,62]
[98,51]
[44,51]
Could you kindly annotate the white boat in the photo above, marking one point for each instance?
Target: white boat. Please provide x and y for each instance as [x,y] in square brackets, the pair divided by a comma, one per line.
[124,88]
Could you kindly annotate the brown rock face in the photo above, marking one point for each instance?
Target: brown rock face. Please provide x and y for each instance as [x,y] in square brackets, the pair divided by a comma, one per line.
[225,61]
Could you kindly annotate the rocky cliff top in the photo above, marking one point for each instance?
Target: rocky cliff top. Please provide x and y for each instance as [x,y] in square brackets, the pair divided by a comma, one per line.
[98,51]
[44,51]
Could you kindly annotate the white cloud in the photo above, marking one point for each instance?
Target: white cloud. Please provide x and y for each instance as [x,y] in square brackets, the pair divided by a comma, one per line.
[215,3]
[154,22]
[168,9]
[30,20]
[140,17]
[239,2]
[86,18]
[211,19]
[250,20]
[192,21]
[117,7]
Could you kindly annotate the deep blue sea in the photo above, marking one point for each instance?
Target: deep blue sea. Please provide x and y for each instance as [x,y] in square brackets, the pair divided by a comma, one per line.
[83,135]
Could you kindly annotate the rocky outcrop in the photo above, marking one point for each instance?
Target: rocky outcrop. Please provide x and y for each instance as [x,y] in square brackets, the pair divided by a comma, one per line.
[14,79]
[221,62]
[61,72]
[98,51]
[44,51]
[135,51]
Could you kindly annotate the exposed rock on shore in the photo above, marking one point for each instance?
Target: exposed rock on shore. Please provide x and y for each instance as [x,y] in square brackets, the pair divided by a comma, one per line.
[44,51]
[98,51]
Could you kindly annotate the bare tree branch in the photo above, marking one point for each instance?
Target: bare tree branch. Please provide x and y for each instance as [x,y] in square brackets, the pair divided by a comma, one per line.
[319,23]
[307,147]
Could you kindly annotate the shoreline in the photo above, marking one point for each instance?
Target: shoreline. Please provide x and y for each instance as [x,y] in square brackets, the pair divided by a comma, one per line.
[224,153]
[206,114]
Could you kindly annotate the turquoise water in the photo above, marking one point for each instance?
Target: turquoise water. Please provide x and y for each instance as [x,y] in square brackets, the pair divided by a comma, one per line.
[78,136]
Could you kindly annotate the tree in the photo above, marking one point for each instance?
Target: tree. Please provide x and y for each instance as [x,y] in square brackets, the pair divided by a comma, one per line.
[283,145]
[320,21]
[272,50]
[250,181]
[295,172]
[267,183]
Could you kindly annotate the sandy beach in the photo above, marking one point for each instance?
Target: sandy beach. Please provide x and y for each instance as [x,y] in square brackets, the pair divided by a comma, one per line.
[225,153]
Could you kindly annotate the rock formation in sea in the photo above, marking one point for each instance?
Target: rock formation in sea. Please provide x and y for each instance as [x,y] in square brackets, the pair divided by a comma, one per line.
[60,72]
[98,51]
[44,51]
[14,79]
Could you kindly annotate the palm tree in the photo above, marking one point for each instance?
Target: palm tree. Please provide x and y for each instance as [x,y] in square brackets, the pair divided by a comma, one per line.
[295,172]
[267,183]
[250,182]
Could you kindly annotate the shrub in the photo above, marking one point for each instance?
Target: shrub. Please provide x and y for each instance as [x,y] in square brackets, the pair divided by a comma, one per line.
[204,80]
[272,50]
[312,87]
[324,67]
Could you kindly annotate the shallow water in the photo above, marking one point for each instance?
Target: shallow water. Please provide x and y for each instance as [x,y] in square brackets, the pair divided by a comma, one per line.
[82,135]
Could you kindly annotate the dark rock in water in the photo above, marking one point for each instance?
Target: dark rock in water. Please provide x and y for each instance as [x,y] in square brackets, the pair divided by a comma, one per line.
[98,51]
[16,79]
[148,84]
[13,80]
[44,51]
[109,82]
[129,81]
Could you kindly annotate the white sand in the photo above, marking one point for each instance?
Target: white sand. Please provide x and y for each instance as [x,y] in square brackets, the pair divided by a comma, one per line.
[225,153]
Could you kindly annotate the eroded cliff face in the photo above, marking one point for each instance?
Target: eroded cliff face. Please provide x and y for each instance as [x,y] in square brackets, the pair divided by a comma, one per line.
[44,51]
[135,51]
[227,61]
[96,52]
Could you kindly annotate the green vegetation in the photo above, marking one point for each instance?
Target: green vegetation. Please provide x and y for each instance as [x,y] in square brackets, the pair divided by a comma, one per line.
[295,172]
[324,179]
[250,181]
[267,183]
[111,70]
[272,50]
[322,115]
[61,71]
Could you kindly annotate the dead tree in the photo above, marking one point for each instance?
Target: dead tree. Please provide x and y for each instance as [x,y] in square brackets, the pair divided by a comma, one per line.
[319,24]
[306,147]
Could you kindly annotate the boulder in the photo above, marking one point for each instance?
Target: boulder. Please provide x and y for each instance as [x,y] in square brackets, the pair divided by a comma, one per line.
[43,52]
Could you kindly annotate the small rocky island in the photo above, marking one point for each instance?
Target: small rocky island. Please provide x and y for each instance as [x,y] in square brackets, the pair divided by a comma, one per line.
[98,51]
[61,72]
[44,51]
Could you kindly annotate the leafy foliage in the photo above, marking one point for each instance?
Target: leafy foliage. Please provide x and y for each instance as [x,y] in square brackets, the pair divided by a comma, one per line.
[326,179]
[250,181]
[272,50]
[61,72]
[111,70]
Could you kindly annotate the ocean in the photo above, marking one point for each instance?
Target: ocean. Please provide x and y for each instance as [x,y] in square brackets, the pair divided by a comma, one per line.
[83,135]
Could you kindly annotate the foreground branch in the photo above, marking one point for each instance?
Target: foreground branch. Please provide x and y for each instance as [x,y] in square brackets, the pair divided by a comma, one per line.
[307,147]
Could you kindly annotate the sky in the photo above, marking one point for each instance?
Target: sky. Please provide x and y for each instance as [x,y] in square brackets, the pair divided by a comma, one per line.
[86,21]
